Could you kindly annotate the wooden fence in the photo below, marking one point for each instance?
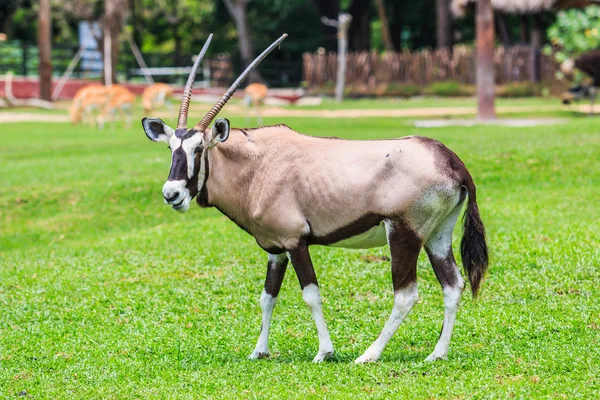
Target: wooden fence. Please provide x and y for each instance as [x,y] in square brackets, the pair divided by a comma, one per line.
[370,70]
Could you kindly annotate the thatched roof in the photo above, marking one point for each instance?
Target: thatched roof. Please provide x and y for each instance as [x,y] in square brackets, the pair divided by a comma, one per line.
[524,6]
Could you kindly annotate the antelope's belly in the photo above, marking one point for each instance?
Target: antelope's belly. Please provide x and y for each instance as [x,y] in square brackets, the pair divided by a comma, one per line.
[374,237]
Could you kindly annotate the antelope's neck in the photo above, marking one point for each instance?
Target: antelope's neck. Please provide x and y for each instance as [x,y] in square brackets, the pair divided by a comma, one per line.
[231,172]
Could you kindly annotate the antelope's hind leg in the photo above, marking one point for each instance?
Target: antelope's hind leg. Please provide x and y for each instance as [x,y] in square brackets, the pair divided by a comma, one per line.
[439,250]
[303,266]
[405,246]
[276,268]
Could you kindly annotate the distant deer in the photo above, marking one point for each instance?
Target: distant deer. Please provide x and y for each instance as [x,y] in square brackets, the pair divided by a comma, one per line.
[254,95]
[87,100]
[290,191]
[119,100]
[156,96]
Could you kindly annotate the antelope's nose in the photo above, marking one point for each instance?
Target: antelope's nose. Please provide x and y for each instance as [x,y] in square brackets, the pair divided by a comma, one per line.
[172,191]
[171,198]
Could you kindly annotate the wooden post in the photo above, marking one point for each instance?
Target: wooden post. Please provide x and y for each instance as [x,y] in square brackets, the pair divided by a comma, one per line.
[342,24]
[485,60]
[45,49]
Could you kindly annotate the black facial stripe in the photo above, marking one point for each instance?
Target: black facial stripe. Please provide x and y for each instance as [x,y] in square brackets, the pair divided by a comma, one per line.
[179,166]
[193,183]
[202,198]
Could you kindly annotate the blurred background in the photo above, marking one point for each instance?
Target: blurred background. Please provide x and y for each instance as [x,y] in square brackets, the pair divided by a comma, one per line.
[394,48]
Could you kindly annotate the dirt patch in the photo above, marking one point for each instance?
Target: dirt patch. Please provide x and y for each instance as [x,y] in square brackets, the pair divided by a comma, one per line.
[8,117]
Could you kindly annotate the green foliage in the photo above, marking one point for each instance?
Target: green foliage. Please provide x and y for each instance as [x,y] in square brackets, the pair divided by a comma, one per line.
[107,293]
[449,89]
[574,32]
[519,89]
[401,90]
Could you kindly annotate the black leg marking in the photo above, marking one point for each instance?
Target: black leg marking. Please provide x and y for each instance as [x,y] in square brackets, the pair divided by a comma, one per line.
[303,266]
[275,273]
[444,268]
[405,246]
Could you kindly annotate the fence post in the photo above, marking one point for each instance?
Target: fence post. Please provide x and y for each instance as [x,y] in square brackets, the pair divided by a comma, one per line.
[342,24]
[23,58]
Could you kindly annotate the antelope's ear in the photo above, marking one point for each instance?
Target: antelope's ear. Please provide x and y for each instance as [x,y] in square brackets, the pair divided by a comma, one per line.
[157,130]
[219,132]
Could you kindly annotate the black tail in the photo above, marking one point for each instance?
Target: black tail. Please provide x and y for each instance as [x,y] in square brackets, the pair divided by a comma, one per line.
[473,248]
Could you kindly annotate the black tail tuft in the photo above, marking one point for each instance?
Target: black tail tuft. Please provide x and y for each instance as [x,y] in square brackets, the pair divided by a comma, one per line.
[473,248]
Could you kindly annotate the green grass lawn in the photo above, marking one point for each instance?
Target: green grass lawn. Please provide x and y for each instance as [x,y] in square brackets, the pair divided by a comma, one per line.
[105,292]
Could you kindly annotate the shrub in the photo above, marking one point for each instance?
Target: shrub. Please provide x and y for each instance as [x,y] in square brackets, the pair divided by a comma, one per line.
[519,89]
[400,90]
[449,89]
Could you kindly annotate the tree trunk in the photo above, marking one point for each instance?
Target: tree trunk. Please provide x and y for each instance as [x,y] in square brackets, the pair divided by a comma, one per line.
[485,60]
[237,10]
[114,11]
[44,35]
[537,38]
[385,28]
[444,25]
[114,49]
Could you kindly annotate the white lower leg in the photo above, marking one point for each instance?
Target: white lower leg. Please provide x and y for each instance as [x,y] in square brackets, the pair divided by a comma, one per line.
[451,300]
[312,297]
[404,300]
[267,304]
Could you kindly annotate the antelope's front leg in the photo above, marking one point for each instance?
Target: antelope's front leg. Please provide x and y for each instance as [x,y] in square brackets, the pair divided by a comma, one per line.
[310,293]
[275,272]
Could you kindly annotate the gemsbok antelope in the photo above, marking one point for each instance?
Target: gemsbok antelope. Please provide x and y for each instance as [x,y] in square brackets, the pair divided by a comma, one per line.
[254,95]
[290,191]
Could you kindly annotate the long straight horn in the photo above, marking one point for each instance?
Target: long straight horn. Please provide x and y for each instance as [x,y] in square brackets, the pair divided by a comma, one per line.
[203,124]
[187,91]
